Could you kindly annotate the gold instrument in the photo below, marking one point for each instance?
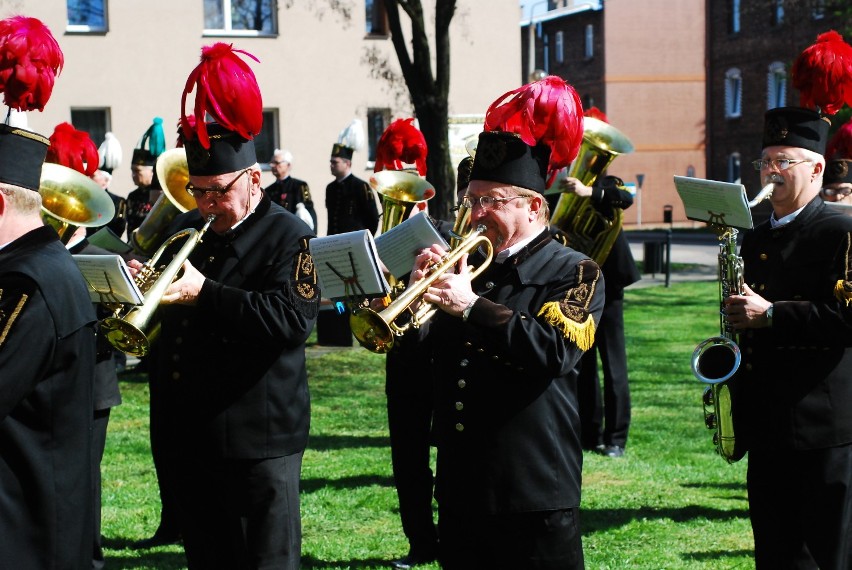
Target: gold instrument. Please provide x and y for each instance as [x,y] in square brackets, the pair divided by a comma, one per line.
[173,173]
[70,200]
[401,191]
[588,230]
[716,359]
[131,332]
[376,330]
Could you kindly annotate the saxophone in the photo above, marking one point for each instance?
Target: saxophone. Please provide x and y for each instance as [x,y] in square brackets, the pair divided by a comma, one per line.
[716,360]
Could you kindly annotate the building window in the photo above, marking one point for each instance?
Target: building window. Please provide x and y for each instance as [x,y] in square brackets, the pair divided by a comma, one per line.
[776,86]
[734,168]
[87,16]
[93,121]
[267,140]
[377,121]
[560,48]
[777,12]
[588,101]
[377,20]
[733,93]
[818,10]
[733,16]
[239,17]
[589,50]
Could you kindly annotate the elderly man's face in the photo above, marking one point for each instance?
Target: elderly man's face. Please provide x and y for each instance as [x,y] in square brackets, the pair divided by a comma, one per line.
[510,218]
[279,167]
[838,192]
[142,175]
[243,189]
[795,185]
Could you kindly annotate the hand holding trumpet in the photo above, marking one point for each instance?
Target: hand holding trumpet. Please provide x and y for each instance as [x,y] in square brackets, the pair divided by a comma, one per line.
[573,185]
[452,291]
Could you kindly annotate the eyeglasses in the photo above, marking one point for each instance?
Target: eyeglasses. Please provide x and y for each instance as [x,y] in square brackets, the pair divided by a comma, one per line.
[488,202]
[213,192]
[276,162]
[779,163]
[839,192]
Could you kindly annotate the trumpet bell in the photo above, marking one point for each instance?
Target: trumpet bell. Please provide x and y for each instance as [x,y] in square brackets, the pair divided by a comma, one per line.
[371,331]
[401,191]
[126,336]
[173,173]
[70,200]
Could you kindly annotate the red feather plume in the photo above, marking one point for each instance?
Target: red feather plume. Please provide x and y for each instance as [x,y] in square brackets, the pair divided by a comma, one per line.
[74,149]
[596,113]
[823,74]
[840,145]
[30,60]
[226,88]
[547,111]
[401,143]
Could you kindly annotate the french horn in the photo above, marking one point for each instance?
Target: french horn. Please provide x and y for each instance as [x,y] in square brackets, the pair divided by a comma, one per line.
[588,230]
[401,191]
[70,200]
[173,173]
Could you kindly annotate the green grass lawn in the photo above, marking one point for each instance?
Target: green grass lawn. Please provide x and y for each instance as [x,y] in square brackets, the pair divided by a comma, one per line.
[669,503]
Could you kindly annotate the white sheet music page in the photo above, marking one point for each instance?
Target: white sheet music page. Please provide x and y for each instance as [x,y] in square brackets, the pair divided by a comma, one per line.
[109,279]
[399,245]
[714,202]
[348,265]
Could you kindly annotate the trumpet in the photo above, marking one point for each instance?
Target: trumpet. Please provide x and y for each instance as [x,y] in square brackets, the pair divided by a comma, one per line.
[376,331]
[132,332]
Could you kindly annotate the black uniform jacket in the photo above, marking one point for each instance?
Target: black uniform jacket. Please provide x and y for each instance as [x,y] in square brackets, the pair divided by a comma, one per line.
[619,268]
[351,206]
[798,373]
[291,191]
[47,358]
[506,423]
[232,368]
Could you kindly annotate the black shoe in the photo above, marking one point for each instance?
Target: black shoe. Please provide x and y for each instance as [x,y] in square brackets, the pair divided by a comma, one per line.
[157,540]
[611,450]
[413,559]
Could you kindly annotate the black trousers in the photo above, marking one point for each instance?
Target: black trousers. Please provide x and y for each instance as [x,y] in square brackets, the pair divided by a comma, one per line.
[241,514]
[605,420]
[99,433]
[162,442]
[545,540]
[800,504]
[409,401]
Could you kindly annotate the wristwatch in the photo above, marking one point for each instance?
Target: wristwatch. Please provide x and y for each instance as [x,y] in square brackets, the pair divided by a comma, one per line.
[768,314]
[468,309]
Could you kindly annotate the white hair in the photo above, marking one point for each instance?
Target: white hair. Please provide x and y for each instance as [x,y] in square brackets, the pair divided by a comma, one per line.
[286,155]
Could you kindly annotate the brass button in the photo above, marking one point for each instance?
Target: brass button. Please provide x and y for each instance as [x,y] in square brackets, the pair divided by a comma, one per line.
[459,406]
[462,383]
[748,366]
[178,340]
[211,259]
[763,257]
[489,284]
[480,350]
[495,357]
[175,375]
[467,343]
[762,287]
[749,350]
[459,427]
[175,357]
[184,323]
[464,362]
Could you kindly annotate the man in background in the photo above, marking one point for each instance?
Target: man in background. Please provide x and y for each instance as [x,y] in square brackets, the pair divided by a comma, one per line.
[349,200]
[290,193]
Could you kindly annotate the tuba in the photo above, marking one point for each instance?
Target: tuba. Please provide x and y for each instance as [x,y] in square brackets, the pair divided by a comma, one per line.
[132,332]
[588,230]
[70,200]
[716,359]
[173,173]
[401,191]
[375,331]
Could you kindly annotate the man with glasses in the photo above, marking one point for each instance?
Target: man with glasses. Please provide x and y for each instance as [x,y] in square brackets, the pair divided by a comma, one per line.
[793,404]
[837,180]
[503,351]
[290,193]
[230,359]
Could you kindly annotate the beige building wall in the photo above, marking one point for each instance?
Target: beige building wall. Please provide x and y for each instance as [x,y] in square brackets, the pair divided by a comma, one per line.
[313,72]
[655,94]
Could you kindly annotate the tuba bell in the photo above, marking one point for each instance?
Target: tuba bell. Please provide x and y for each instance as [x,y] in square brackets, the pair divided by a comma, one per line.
[587,229]
[173,173]
[70,200]
[401,191]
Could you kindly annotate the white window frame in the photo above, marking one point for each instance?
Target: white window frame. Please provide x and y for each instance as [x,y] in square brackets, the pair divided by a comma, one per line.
[227,29]
[559,47]
[589,45]
[735,171]
[85,28]
[733,93]
[776,85]
[736,25]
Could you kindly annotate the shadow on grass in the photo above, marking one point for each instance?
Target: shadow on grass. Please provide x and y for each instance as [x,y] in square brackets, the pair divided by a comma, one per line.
[717,555]
[126,559]
[311,562]
[601,520]
[327,442]
[311,485]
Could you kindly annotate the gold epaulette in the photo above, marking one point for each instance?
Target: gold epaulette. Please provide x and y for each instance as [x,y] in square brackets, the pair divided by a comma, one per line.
[571,315]
[582,334]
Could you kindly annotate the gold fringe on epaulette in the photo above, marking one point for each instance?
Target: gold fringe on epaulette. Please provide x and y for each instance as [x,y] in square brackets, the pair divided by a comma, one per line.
[843,291]
[581,334]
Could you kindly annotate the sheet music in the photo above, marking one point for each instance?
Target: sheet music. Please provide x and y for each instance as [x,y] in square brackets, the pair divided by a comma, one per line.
[107,239]
[348,259]
[398,247]
[714,202]
[109,279]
